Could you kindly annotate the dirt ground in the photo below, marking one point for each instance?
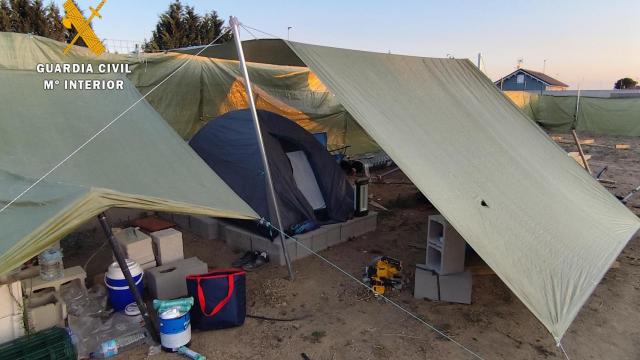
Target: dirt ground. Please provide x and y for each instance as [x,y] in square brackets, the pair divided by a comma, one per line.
[345,322]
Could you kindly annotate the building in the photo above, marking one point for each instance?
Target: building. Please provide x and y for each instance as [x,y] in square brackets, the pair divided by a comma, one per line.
[529,80]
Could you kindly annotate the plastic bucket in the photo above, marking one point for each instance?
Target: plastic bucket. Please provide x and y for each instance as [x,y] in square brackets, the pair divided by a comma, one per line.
[175,329]
[119,293]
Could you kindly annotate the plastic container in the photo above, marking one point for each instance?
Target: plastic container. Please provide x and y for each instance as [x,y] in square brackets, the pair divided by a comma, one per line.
[51,266]
[119,293]
[175,329]
[118,345]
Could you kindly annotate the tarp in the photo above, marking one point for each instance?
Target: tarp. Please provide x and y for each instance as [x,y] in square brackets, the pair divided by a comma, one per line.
[229,145]
[208,87]
[546,227]
[138,162]
[616,114]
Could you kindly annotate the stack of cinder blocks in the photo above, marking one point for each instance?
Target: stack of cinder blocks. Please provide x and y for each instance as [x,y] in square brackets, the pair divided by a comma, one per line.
[136,246]
[203,226]
[315,240]
[167,245]
[443,276]
[11,305]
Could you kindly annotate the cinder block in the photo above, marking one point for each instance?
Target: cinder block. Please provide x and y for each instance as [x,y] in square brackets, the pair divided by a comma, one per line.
[456,287]
[237,238]
[426,283]
[10,299]
[182,220]
[169,281]
[204,226]
[167,245]
[45,311]
[148,265]
[305,239]
[320,240]
[333,234]
[11,327]
[445,247]
[135,244]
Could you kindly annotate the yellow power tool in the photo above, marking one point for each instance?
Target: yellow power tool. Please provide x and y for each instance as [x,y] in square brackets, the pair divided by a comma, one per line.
[382,274]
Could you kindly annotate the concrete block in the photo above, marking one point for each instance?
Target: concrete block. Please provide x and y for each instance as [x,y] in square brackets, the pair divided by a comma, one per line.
[45,311]
[169,281]
[333,234]
[426,283]
[11,327]
[358,226]
[456,287]
[36,284]
[165,215]
[204,226]
[182,221]
[320,240]
[305,239]
[149,265]
[236,238]
[445,247]
[167,246]
[10,299]
[135,244]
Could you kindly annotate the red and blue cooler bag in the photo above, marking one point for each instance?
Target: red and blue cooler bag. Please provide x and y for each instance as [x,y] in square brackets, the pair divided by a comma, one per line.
[220,299]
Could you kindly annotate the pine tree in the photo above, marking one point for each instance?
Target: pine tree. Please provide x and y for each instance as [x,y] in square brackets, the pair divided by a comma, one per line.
[5,16]
[181,26]
[55,29]
[37,19]
[191,22]
[20,10]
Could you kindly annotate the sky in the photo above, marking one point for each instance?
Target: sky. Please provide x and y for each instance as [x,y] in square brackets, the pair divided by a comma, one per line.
[587,44]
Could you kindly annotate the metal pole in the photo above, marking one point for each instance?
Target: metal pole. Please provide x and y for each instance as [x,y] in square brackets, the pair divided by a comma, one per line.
[233,21]
[120,258]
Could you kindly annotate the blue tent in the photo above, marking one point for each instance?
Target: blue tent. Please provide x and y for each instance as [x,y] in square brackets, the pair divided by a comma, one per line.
[310,186]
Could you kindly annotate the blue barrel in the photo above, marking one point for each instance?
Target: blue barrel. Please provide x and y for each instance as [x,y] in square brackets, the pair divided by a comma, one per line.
[119,293]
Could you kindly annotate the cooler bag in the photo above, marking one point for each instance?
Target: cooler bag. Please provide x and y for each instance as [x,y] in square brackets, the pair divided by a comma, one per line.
[220,299]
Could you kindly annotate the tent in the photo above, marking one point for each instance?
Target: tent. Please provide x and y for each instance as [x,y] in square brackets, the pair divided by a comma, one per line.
[547,228]
[138,162]
[604,112]
[309,184]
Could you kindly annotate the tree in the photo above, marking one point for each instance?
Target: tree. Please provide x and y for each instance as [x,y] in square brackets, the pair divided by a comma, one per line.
[31,16]
[181,26]
[55,29]
[625,83]
[5,16]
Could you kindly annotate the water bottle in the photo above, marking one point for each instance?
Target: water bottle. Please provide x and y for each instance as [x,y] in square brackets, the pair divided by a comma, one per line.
[51,267]
[116,346]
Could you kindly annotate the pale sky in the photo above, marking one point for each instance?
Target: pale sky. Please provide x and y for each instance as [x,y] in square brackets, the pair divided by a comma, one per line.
[591,43]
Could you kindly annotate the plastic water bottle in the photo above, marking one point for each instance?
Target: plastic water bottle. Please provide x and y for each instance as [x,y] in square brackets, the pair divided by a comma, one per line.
[51,267]
[116,346]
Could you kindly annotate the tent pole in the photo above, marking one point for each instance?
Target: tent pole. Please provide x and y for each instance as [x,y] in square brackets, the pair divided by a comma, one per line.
[120,258]
[233,21]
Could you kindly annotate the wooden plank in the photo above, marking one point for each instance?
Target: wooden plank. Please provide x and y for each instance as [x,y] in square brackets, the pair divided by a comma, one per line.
[556,138]
[623,146]
[587,141]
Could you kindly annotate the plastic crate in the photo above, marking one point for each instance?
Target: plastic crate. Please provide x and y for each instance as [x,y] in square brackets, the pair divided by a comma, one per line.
[50,344]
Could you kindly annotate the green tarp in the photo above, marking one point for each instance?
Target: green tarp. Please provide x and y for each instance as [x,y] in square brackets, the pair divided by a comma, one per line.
[600,115]
[138,162]
[547,228]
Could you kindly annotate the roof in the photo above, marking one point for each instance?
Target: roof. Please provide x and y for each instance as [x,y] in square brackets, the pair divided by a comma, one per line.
[538,75]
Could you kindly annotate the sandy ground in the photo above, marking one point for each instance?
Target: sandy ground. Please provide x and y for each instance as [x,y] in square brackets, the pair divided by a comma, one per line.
[346,323]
